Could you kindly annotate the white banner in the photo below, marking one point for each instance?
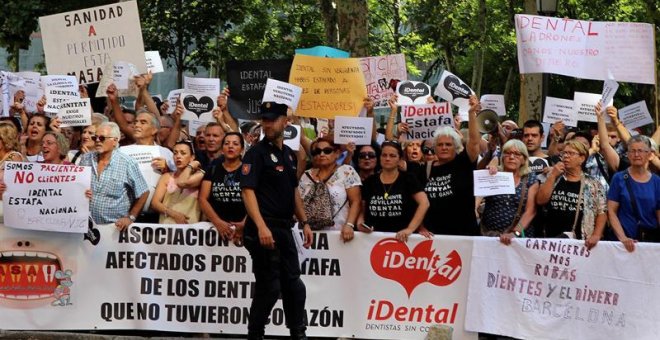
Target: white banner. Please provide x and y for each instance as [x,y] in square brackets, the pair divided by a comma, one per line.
[423,120]
[80,43]
[46,196]
[382,74]
[59,89]
[282,93]
[75,113]
[554,288]
[353,129]
[586,49]
[184,279]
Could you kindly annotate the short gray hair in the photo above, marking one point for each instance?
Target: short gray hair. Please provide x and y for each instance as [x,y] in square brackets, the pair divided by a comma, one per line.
[448,131]
[640,139]
[114,129]
[154,120]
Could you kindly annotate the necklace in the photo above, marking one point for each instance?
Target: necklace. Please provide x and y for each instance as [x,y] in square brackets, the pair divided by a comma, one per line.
[387,187]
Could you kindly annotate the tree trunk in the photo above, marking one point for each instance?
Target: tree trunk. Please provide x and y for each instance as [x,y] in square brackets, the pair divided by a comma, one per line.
[16,58]
[352,20]
[396,9]
[530,86]
[329,21]
[508,85]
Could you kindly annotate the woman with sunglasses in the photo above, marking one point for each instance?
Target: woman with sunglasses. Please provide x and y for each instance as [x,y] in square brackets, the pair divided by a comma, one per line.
[575,201]
[175,197]
[392,200]
[366,160]
[220,195]
[342,183]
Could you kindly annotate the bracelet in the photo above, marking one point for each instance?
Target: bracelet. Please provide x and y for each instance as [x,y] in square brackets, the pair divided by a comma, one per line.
[191,167]
[350,225]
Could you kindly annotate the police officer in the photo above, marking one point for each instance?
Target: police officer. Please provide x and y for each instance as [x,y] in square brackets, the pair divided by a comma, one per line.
[269,188]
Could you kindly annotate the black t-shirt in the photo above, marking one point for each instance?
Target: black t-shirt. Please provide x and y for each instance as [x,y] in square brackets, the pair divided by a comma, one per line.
[393,211]
[271,172]
[225,195]
[561,209]
[450,190]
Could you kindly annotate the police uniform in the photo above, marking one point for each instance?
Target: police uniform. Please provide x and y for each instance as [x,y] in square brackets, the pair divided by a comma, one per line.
[271,173]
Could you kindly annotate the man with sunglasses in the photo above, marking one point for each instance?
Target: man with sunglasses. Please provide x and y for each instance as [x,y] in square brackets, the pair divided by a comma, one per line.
[118,189]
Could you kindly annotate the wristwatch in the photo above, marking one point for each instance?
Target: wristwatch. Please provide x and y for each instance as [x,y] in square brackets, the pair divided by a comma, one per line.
[131,217]
[517,233]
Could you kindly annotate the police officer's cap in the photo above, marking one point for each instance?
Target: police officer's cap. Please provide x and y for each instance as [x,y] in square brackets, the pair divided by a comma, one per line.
[271,110]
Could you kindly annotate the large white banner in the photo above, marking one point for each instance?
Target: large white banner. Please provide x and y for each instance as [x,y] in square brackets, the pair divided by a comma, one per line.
[558,289]
[183,278]
[586,49]
[80,43]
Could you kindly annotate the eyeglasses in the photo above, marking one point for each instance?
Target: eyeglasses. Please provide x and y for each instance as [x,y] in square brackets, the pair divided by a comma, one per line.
[367,155]
[637,152]
[569,153]
[101,138]
[511,154]
[326,151]
[47,142]
[428,151]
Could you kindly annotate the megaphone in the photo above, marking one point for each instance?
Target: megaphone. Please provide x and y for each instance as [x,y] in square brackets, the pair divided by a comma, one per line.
[487,121]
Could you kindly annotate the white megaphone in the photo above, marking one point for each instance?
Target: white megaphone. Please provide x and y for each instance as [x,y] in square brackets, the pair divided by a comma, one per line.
[487,121]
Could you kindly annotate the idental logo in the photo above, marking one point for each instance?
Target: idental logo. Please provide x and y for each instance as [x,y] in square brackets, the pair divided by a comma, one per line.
[393,260]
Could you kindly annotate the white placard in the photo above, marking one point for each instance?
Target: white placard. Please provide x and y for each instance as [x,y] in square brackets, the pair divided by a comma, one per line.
[635,115]
[122,73]
[48,197]
[202,85]
[412,92]
[282,93]
[172,98]
[586,49]
[59,89]
[557,109]
[610,86]
[454,90]
[353,129]
[585,106]
[198,106]
[143,155]
[501,183]
[423,120]
[75,113]
[546,130]
[82,42]
[127,80]
[33,90]
[494,102]
[154,62]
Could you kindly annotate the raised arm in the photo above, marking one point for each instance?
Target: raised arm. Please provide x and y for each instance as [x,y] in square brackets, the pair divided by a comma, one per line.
[474,139]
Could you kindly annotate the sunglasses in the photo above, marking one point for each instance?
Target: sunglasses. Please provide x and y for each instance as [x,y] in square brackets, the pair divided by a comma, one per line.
[101,138]
[326,151]
[366,155]
[428,151]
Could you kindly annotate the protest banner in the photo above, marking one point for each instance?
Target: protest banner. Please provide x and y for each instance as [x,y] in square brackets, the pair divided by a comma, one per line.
[198,106]
[412,93]
[493,102]
[143,155]
[185,278]
[154,62]
[80,43]
[353,129]
[331,86]
[247,80]
[202,85]
[635,115]
[48,197]
[323,51]
[454,90]
[59,89]
[382,74]
[282,93]
[557,288]
[75,113]
[557,109]
[486,184]
[586,49]
[423,120]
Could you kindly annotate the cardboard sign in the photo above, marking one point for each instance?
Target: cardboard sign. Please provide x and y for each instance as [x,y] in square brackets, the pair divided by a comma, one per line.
[198,106]
[423,120]
[154,62]
[493,102]
[635,115]
[46,196]
[412,93]
[586,49]
[353,129]
[75,113]
[454,90]
[80,43]
[557,109]
[247,80]
[282,93]
[323,51]
[59,89]
[202,85]
[382,74]
[330,86]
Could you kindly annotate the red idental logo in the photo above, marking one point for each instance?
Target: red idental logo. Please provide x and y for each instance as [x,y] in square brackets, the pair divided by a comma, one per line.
[393,260]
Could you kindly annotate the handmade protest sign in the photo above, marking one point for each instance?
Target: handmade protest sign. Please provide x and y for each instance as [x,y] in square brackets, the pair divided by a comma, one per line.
[59,89]
[121,74]
[586,49]
[486,184]
[330,86]
[610,86]
[198,106]
[454,90]
[412,93]
[143,155]
[585,106]
[557,109]
[172,99]
[154,62]
[382,74]
[80,43]
[423,120]
[48,197]
[323,51]
[282,93]
[353,129]
[493,102]
[76,112]
[209,86]
[247,80]
[635,115]
[32,89]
